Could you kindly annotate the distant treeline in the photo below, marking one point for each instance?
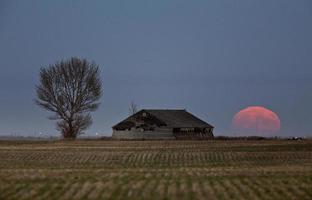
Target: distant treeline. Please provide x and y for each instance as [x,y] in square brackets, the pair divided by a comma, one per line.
[256,138]
[220,138]
[249,138]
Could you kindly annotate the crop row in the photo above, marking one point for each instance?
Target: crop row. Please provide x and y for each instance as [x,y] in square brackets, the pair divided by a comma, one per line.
[156,188]
[146,158]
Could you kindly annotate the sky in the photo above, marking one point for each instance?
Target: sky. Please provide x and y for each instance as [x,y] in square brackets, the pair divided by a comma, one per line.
[212,58]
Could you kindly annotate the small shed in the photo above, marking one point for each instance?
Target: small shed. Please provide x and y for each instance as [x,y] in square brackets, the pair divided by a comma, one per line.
[162,124]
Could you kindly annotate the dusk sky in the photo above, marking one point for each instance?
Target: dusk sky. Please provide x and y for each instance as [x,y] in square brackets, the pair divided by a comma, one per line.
[212,58]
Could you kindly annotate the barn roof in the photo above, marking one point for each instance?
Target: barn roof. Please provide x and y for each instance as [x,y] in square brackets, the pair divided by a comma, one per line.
[173,118]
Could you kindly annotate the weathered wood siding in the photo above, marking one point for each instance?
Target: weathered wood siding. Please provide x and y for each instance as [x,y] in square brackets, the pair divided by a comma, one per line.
[147,135]
[160,133]
[193,136]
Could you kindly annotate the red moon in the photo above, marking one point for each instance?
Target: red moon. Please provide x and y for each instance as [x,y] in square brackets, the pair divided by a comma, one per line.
[256,120]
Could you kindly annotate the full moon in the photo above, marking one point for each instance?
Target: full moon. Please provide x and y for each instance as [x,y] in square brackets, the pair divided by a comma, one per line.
[256,120]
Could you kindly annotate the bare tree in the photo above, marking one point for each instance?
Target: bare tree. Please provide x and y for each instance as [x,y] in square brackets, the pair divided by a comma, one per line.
[133,108]
[70,89]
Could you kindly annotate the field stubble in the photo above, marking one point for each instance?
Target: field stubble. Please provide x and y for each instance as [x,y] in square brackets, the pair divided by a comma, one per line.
[156,170]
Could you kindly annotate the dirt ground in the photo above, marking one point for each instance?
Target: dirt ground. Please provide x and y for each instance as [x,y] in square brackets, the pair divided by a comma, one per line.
[156,170]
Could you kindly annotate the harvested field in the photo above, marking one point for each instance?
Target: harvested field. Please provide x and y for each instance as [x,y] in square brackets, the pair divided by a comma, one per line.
[156,170]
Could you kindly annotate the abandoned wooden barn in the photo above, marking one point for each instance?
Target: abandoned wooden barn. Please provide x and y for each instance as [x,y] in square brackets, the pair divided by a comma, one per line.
[162,124]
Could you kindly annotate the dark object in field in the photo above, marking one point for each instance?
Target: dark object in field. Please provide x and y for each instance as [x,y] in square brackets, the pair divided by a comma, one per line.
[162,124]
[71,89]
[296,138]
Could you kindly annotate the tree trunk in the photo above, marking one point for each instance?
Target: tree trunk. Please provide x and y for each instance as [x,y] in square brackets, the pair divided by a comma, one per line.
[69,132]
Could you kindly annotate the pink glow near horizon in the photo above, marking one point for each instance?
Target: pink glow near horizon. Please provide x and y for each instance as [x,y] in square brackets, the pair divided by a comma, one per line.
[257,118]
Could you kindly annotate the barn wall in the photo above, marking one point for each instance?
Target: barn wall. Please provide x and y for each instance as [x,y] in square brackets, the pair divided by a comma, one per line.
[148,135]
[194,136]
